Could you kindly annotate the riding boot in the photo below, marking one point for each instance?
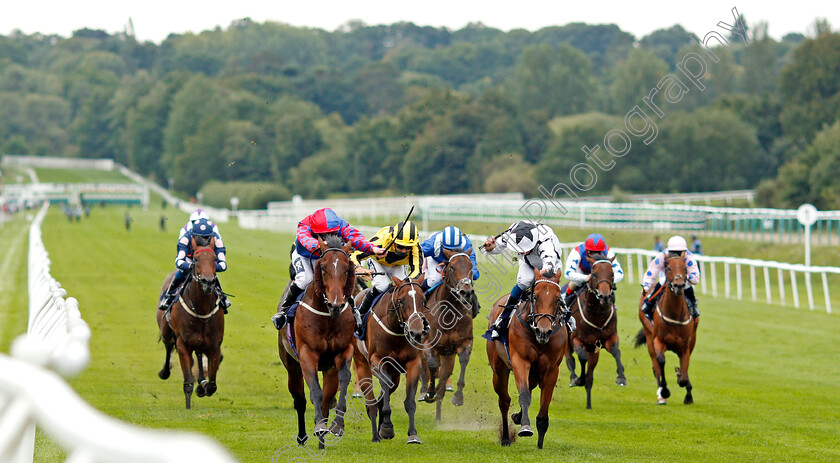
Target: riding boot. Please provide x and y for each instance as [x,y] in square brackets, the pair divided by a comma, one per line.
[568,299]
[503,320]
[569,320]
[224,302]
[172,291]
[692,302]
[475,305]
[647,309]
[364,307]
[279,319]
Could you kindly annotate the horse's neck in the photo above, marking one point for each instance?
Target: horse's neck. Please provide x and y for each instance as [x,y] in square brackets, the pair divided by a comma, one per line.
[671,303]
[593,304]
[201,302]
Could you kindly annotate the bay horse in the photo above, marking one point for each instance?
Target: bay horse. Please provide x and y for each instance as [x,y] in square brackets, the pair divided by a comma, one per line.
[451,326]
[323,334]
[538,342]
[672,329]
[196,324]
[395,327]
[596,324]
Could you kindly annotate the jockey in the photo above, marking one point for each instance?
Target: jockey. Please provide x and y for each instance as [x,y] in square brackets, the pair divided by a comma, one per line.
[538,248]
[579,270]
[676,247]
[453,239]
[403,258]
[306,252]
[184,259]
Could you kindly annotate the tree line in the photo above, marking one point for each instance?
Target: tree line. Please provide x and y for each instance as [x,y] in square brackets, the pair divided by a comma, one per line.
[267,110]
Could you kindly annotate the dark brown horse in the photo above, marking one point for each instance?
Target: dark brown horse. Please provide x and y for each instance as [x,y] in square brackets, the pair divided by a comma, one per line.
[451,330]
[672,329]
[395,328]
[596,324]
[323,335]
[538,342]
[197,325]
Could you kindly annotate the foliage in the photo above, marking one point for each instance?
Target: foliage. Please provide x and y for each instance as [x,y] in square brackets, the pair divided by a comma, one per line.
[252,195]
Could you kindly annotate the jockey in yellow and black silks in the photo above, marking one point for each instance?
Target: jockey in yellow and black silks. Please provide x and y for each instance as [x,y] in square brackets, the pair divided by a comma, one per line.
[403,259]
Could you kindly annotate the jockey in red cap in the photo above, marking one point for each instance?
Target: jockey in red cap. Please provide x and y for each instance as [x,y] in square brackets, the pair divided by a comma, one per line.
[579,270]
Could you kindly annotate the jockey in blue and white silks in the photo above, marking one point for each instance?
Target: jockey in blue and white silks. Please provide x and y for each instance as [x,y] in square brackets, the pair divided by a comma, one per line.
[579,270]
[651,283]
[184,259]
[453,239]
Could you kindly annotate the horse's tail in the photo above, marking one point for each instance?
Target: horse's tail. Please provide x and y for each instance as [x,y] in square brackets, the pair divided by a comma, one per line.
[640,338]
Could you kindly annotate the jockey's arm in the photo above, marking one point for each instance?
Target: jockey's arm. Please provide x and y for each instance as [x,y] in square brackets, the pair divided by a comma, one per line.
[550,255]
[572,272]
[183,249]
[652,274]
[618,272]
[693,269]
[304,237]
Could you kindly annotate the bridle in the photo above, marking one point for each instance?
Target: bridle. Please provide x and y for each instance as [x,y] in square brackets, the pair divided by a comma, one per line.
[593,289]
[672,283]
[347,298]
[446,274]
[195,277]
[534,318]
[394,305]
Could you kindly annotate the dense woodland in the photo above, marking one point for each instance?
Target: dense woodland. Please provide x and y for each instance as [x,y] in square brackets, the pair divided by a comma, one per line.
[265,110]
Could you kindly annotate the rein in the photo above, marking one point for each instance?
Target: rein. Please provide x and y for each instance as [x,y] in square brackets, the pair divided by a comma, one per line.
[393,308]
[534,318]
[670,284]
[589,287]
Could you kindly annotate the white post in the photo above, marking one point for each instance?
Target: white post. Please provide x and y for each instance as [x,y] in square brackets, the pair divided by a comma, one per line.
[809,290]
[629,270]
[752,280]
[726,280]
[808,246]
[714,279]
[794,288]
[825,291]
[641,267]
[781,286]
[767,289]
[702,276]
[738,280]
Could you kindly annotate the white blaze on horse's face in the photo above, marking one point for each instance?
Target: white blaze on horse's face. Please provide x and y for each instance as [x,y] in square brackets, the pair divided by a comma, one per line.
[335,265]
[412,292]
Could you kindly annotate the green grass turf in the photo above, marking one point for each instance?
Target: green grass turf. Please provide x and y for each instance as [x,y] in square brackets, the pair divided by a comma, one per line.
[46,175]
[765,377]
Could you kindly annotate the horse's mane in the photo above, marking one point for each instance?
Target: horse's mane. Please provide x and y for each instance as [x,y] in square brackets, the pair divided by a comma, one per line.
[598,256]
[202,240]
[333,240]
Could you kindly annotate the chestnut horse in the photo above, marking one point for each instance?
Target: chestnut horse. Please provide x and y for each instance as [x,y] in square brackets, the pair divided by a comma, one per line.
[538,342]
[451,328]
[323,334]
[395,327]
[672,329]
[196,323]
[596,324]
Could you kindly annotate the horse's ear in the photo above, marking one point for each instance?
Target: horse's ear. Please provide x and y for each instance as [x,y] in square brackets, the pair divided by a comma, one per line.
[397,281]
[193,244]
[322,244]
[537,273]
[213,242]
[612,258]
[419,278]
[590,259]
[557,276]
[347,247]
[447,253]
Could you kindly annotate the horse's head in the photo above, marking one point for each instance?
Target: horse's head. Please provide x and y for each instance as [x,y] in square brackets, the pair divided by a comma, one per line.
[409,303]
[675,272]
[544,313]
[601,282]
[457,274]
[334,275]
[204,262]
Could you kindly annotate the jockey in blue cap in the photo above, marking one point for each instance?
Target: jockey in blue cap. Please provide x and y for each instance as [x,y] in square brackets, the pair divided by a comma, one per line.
[579,270]
[453,239]
[183,261]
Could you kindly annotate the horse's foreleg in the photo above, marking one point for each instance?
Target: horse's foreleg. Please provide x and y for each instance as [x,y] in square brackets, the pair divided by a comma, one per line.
[412,374]
[213,361]
[342,365]
[612,347]
[549,381]
[330,381]
[682,378]
[521,371]
[309,368]
[464,359]
[583,356]
[389,383]
[590,377]
[571,365]
[447,363]
[658,357]
[199,391]
[434,369]
[185,356]
[167,358]
[424,375]
[364,379]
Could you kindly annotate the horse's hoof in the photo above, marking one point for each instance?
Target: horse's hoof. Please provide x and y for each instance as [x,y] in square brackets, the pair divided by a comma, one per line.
[577,382]
[163,374]
[516,417]
[376,440]
[688,400]
[525,431]
[449,388]
[430,398]
[666,393]
[320,430]
[386,432]
[336,430]
[457,400]
[301,440]
[210,388]
[573,382]
[357,394]
[506,443]
[621,381]
[661,401]
[199,390]
[413,439]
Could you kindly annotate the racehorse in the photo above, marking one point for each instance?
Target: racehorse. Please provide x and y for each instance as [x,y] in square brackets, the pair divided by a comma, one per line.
[323,334]
[196,324]
[538,342]
[451,328]
[395,328]
[672,329]
[596,326]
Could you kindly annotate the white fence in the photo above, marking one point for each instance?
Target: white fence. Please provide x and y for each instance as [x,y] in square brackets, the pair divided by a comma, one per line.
[56,162]
[58,338]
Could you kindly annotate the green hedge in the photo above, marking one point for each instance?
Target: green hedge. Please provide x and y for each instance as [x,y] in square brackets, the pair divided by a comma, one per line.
[252,195]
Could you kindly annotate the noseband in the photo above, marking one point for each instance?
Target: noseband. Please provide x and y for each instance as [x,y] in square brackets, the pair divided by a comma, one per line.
[347,298]
[460,283]
[534,318]
[393,307]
